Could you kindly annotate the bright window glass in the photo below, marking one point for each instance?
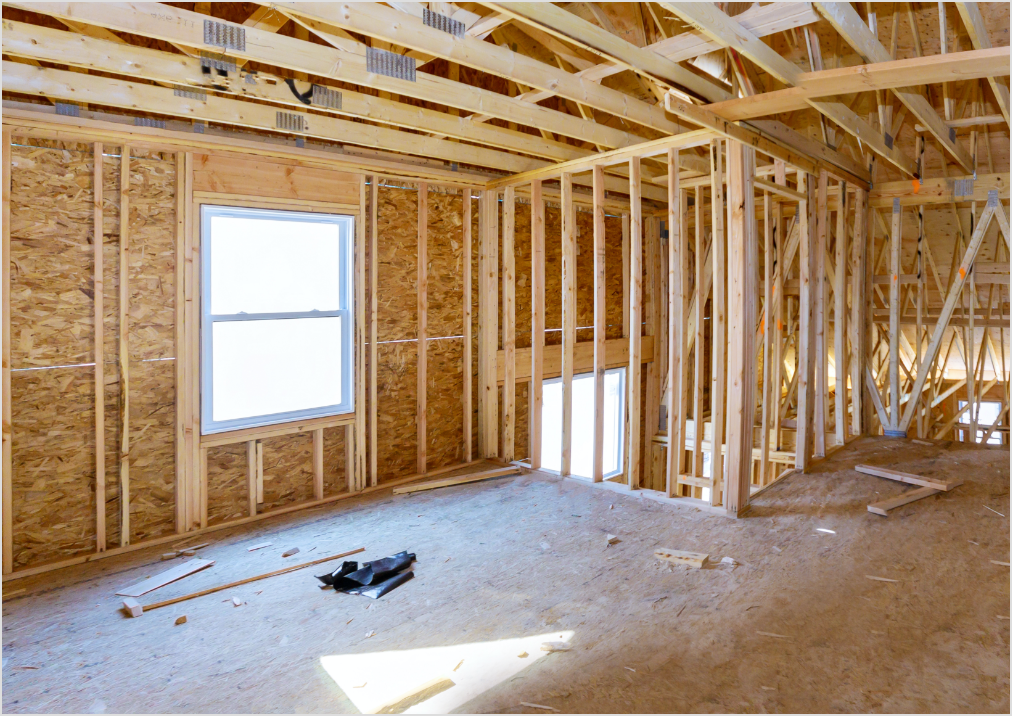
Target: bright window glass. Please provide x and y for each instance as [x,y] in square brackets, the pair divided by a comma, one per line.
[276,328]
[583,424]
[987,416]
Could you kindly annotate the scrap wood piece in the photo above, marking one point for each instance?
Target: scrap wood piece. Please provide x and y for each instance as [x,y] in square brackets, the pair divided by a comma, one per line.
[259,546]
[553,646]
[909,478]
[882,507]
[212,590]
[132,607]
[160,580]
[880,579]
[463,479]
[290,552]
[417,695]
[181,620]
[775,636]
[529,705]
[694,560]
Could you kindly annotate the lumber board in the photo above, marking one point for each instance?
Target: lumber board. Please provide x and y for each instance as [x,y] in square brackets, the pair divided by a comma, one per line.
[882,507]
[600,322]
[462,480]
[909,478]
[230,585]
[167,577]
[8,462]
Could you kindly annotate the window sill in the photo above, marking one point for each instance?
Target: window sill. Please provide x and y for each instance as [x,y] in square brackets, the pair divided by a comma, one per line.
[269,431]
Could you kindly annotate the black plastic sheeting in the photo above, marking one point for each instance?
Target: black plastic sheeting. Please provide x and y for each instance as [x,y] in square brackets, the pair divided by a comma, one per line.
[373,579]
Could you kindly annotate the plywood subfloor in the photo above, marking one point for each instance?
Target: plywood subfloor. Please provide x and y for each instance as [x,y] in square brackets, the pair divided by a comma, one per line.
[527,557]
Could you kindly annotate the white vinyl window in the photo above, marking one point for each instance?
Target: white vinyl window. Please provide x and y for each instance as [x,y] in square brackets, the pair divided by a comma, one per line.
[276,328]
[583,424]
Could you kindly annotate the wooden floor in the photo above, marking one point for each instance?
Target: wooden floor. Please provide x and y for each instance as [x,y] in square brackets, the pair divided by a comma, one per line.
[795,625]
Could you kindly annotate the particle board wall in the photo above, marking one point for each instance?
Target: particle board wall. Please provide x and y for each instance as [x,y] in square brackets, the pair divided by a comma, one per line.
[52,335]
[227,492]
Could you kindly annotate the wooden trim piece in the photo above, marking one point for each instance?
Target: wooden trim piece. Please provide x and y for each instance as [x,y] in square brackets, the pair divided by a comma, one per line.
[124,349]
[423,322]
[8,433]
[462,480]
[270,431]
[373,324]
[568,319]
[466,401]
[537,321]
[910,479]
[98,288]
[600,322]
[509,388]
[634,302]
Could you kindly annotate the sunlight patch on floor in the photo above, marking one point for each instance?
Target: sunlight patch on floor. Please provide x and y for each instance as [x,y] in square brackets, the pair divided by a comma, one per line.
[418,680]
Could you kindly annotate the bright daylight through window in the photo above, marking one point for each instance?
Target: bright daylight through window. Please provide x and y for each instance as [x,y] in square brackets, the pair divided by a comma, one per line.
[276,327]
[583,424]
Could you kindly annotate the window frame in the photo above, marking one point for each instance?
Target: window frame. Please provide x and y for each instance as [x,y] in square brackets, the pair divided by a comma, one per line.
[346,223]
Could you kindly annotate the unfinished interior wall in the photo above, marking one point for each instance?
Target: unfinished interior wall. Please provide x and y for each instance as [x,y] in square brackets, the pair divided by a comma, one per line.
[53,352]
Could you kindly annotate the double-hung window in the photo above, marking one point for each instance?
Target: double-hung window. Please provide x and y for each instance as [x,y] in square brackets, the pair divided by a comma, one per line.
[276,328]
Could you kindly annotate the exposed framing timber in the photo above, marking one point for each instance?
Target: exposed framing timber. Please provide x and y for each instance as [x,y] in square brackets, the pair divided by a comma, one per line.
[423,319]
[509,388]
[568,319]
[98,291]
[8,432]
[124,345]
[600,322]
[537,321]
[635,329]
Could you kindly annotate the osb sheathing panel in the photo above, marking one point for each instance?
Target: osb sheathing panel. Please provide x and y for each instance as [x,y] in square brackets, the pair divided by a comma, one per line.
[53,445]
[397,434]
[335,479]
[443,408]
[445,247]
[227,476]
[522,272]
[397,267]
[288,470]
[521,440]
[151,344]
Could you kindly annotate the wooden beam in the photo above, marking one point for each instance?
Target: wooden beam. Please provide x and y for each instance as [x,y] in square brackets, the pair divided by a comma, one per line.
[360,447]
[676,329]
[741,380]
[908,72]
[74,86]
[176,25]
[821,397]
[634,440]
[840,316]
[488,323]
[568,319]
[374,20]
[895,241]
[124,350]
[423,323]
[460,480]
[764,142]
[994,208]
[98,290]
[182,470]
[769,336]
[698,311]
[855,32]
[642,60]
[718,322]
[600,322]
[977,30]
[806,330]
[8,432]
[509,388]
[537,321]
[373,326]
[318,463]
[466,368]
[858,314]
[725,31]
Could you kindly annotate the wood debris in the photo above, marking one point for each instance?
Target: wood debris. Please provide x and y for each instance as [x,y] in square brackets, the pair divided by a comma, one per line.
[132,607]
[553,646]
[529,705]
[880,579]
[775,636]
[259,546]
[181,620]
[910,478]
[612,539]
[290,552]
[693,560]
[463,479]
[236,602]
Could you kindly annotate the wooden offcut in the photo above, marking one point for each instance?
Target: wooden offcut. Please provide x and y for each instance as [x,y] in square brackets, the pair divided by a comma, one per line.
[463,479]
[694,560]
[160,580]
